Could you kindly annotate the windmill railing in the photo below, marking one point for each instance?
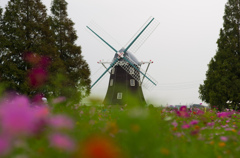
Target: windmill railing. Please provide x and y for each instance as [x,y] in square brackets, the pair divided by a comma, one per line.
[148,83]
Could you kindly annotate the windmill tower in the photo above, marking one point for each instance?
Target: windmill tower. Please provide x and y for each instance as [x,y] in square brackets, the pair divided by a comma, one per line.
[126,74]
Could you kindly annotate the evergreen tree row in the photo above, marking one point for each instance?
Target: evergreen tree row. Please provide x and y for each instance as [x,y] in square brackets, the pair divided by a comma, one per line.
[26,30]
[222,85]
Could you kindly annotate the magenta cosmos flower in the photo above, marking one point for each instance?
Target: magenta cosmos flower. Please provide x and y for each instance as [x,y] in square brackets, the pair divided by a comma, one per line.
[223,114]
[17,117]
[37,77]
[185,126]
[183,112]
[194,122]
[5,145]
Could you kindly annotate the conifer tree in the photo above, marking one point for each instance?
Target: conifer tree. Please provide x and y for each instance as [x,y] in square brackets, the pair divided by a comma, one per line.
[77,79]
[222,85]
[26,28]
[1,40]
[1,35]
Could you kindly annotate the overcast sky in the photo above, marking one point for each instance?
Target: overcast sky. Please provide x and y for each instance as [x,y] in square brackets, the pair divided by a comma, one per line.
[181,47]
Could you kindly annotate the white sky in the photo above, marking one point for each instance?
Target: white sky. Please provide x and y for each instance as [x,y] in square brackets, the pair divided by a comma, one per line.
[181,47]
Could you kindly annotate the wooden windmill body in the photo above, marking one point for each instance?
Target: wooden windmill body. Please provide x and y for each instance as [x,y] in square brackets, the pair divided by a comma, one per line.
[123,88]
[126,75]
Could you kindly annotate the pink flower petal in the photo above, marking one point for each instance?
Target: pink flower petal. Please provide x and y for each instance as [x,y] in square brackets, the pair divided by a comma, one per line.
[62,142]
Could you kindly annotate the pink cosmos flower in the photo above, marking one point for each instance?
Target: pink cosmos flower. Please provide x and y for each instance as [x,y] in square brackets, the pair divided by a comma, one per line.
[61,122]
[41,114]
[59,100]
[37,99]
[183,108]
[223,114]
[194,122]
[175,124]
[210,124]
[224,126]
[223,138]
[16,116]
[61,142]
[185,126]
[183,112]
[200,112]
[4,145]
[37,77]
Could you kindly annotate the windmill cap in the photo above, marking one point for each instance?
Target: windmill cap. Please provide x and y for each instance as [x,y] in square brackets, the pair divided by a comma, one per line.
[127,55]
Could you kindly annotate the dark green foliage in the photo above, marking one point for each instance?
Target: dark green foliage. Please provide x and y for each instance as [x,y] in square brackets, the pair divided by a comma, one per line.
[1,38]
[26,29]
[222,85]
[77,78]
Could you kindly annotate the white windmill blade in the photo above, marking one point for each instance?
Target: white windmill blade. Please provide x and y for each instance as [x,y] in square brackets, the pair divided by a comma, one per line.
[142,35]
[104,35]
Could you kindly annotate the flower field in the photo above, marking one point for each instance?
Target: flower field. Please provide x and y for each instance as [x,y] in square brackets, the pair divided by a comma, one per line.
[57,129]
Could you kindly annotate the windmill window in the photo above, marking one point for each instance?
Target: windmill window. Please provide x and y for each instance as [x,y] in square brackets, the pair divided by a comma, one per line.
[113,70]
[132,82]
[131,70]
[119,95]
[111,82]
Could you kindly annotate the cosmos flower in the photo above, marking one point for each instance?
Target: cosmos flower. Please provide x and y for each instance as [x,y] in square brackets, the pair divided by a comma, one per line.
[175,124]
[37,77]
[210,124]
[37,99]
[59,100]
[61,142]
[185,126]
[223,138]
[223,114]
[61,122]
[4,145]
[183,112]
[16,116]
[194,122]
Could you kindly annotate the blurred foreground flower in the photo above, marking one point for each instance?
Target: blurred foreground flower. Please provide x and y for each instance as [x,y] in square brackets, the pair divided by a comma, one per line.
[61,142]
[4,145]
[17,118]
[37,77]
[21,120]
[36,60]
[99,147]
[61,122]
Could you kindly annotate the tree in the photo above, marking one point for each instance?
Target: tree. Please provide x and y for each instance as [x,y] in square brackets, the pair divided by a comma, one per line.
[26,28]
[77,79]
[1,35]
[222,85]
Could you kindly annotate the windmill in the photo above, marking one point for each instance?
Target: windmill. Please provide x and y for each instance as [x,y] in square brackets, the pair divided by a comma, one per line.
[126,75]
